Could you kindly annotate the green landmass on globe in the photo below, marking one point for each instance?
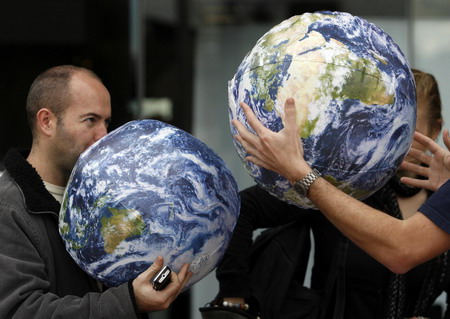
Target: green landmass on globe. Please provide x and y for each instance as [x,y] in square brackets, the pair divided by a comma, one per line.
[362,81]
[122,224]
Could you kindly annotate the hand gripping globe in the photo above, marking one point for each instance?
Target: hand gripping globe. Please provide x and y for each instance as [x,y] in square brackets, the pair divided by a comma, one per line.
[144,190]
[354,93]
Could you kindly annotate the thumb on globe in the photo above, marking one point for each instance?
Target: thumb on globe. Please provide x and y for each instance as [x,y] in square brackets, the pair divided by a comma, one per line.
[156,266]
[151,271]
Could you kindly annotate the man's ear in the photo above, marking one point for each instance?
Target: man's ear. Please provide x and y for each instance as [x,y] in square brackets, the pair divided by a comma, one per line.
[45,121]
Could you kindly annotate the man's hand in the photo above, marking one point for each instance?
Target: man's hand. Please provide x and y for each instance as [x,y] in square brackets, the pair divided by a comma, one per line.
[147,298]
[437,171]
[281,152]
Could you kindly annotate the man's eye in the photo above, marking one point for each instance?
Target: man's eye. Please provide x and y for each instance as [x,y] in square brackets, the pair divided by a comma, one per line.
[90,119]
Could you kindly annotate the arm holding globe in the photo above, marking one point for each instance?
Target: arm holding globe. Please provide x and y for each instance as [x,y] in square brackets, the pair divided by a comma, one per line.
[357,105]
[398,244]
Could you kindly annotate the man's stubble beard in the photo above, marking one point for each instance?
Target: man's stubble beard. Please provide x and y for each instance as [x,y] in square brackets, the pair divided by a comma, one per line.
[66,154]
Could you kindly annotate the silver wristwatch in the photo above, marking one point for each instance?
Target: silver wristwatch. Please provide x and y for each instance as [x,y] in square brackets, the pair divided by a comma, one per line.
[302,186]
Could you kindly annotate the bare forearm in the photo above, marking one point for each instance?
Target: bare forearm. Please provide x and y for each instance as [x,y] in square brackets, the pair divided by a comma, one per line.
[391,241]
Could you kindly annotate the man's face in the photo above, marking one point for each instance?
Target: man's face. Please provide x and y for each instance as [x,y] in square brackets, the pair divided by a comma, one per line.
[83,122]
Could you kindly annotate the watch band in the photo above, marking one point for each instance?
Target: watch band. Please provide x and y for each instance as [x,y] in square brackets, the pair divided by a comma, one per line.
[302,186]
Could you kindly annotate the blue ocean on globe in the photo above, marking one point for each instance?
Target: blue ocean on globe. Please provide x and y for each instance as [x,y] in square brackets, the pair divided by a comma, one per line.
[148,189]
[355,100]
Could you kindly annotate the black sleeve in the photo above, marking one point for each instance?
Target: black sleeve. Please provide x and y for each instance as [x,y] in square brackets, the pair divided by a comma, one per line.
[259,209]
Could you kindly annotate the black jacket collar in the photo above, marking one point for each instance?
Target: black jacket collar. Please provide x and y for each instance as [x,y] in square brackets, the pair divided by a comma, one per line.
[37,198]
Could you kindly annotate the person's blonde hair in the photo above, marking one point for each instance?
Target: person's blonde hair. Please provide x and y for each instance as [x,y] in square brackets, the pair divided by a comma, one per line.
[427,87]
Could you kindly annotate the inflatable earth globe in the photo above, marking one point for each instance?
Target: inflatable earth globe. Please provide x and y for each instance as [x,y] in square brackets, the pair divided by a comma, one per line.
[354,94]
[144,190]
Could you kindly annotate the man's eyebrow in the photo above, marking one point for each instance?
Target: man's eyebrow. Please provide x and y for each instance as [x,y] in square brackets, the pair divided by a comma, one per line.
[90,114]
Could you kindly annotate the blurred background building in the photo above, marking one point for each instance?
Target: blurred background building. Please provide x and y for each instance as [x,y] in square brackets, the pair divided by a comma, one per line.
[171,60]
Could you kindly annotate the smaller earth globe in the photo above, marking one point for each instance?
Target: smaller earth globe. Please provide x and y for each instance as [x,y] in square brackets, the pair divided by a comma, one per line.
[354,93]
[148,189]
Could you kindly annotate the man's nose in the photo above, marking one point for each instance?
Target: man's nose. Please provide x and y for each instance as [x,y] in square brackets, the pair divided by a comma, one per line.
[101,131]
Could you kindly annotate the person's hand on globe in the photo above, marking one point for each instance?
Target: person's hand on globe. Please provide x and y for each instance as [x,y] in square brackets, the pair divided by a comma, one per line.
[281,152]
[437,164]
[147,298]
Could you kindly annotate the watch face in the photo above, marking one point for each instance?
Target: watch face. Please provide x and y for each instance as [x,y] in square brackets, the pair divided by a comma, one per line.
[300,188]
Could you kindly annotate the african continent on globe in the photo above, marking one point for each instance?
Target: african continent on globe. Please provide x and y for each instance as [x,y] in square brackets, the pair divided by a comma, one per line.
[148,189]
[354,94]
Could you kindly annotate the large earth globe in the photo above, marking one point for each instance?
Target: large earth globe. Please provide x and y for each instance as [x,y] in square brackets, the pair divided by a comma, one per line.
[144,190]
[354,93]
